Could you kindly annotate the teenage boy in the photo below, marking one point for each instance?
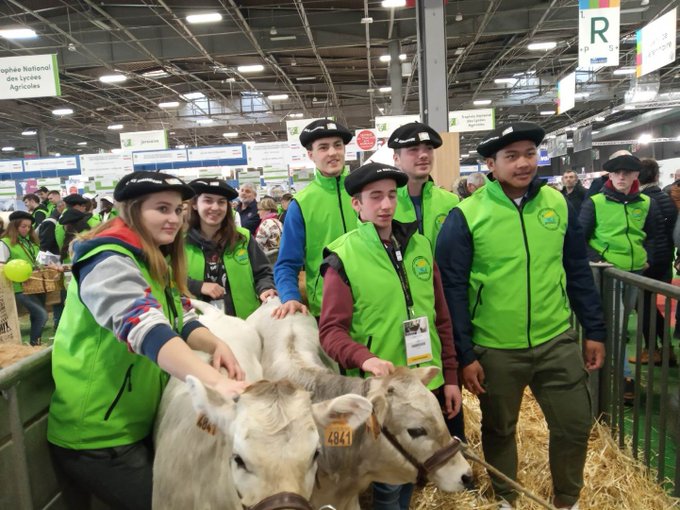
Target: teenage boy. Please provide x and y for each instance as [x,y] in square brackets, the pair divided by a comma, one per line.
[383,301]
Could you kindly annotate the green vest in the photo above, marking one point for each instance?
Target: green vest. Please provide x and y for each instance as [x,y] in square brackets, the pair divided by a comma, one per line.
[436,205]
[104,394]
[619,236]
[93,221]
[59,234]
[327,212]
[517,291]
[25,249]
[379,301]
[238,269]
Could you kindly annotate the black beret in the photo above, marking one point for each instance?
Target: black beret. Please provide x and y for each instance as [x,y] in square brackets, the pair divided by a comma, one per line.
[214,187]
[75,199]
[20,215]
[510,133]
[414,133]
[623,162]
[371,172]
[324,128]
[136,184]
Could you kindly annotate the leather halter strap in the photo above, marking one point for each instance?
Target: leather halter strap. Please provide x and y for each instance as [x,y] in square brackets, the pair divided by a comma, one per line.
[283,501]
[436,460]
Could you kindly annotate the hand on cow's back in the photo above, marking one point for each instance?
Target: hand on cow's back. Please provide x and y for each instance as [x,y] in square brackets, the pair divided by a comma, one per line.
[289,307]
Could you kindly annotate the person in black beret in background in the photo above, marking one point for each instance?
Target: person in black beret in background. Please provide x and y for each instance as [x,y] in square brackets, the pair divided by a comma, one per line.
[378,279]
[125,327]
[501,253]
[421,200]
[226,266]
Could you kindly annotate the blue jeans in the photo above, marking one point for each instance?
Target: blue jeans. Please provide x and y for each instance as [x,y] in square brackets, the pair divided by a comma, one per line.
[35,304]
[391,497]
[58,309]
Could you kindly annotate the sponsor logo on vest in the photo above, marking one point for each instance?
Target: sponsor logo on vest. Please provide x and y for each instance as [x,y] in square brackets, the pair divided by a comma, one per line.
[636,213]
[422,268]
[241,256]
[549,218]
[439,221]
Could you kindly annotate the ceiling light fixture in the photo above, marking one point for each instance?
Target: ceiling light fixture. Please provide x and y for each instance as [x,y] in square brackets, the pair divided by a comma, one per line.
[115,127]
[481,102]
[624,71]
[273,31]
[387,4]
[385,90]
[18,33]
[296,115]
[113,78]
[547,112]
[231,134]
[62,111]
[459,16]
[620,123]
[204,122]
[599,119]
[545,46]
[208,17]
[645,138]
[29,132]
[278,97]
[8,149]
[254,68]
[81,143]
[510,81]
[290,37]
[366,21]
[305,78]
[180,147]
[384,58]
[156,73]
[231,79]
[169,104]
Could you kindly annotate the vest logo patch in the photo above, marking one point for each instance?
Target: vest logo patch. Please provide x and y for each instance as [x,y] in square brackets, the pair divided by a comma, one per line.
[549,218]
[421,268]
[241,256]
[439,221]
[636,213]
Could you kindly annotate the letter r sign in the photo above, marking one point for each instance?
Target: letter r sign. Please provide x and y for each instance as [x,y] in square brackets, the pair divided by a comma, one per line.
[598,27]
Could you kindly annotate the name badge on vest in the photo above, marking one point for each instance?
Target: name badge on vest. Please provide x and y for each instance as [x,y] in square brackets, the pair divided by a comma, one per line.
[417,341]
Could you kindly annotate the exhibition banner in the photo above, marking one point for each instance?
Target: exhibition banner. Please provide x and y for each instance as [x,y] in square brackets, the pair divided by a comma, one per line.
[295,127]
[144,140]
[386,124]
[583,138]
[656,43]
[270,154]
[479,119]
[29,76]
[598,33]
[566,93]
[100,165]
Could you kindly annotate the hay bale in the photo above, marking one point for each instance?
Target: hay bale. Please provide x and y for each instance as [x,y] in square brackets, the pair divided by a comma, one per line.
[11,353]
[613,479]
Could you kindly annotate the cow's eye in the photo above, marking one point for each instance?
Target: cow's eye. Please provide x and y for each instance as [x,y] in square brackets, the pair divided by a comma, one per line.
[238,460]
[317,453]
[416,432]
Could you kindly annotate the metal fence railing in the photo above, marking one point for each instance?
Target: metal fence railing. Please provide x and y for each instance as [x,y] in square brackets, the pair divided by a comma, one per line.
[649,422]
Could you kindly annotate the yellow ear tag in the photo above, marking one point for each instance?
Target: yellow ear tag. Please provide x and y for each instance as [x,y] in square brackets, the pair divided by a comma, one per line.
[338,433]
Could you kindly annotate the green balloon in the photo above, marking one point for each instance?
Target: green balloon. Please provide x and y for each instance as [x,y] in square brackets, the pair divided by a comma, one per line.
[18,270]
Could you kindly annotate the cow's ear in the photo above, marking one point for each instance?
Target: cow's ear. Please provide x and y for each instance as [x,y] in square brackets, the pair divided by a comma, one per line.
[351,409]
[425,374]
[379,401]
[213,409]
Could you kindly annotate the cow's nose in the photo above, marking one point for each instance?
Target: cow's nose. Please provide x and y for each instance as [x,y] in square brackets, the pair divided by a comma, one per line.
[468,481]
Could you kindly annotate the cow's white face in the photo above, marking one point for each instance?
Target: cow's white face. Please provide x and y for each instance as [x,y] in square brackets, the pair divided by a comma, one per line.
[411,412]
[273,431]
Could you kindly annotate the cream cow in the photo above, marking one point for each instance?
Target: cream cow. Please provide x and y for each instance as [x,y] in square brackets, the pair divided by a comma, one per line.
[403,406]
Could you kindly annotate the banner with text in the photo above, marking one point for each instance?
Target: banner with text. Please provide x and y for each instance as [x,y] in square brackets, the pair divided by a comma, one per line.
[566,93]
[386,124]
[144,140]
[29,76]
[480,119]
[656,43]
[598,33]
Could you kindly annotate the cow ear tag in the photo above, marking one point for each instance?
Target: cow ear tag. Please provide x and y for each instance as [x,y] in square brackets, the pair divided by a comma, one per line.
[338,434]
[204,423]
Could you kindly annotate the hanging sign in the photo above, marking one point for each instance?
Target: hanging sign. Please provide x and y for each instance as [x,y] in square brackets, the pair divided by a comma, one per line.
[598,33]
[566,93]
[386,124]
[479,119]
[656,43]
[366,139]
[144,140]
[29,76]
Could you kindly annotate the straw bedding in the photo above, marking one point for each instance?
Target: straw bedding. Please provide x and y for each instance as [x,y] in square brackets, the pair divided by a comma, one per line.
[11,353]
[613,480]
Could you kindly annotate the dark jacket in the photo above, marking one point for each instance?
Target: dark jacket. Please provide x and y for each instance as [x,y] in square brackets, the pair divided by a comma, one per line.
[455,266]
[596,185]
[653,244]
[249,217]
[575,198]
[48,241]
[669,215]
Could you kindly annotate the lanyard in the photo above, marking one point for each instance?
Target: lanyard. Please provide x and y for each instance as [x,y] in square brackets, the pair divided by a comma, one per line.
[28,251]
[397,260]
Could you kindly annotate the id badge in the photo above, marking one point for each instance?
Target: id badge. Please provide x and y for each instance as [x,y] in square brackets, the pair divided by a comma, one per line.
[417,341]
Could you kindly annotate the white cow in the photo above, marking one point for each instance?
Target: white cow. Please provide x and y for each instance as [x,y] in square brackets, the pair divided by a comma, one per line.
[402,404]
